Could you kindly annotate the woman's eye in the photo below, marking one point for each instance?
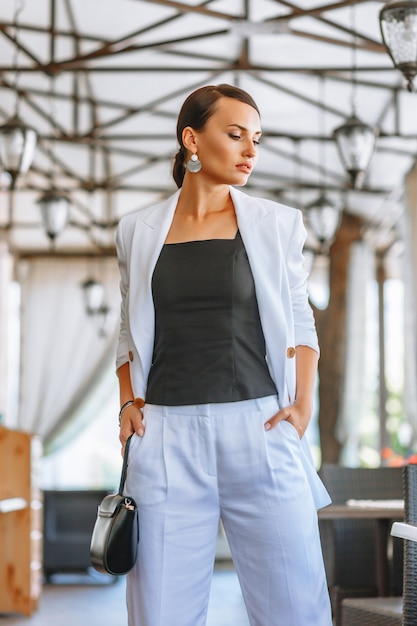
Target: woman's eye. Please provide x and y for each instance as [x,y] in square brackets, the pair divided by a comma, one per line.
[232,136]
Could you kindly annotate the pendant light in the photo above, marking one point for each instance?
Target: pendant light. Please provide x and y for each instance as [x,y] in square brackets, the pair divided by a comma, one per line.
[355,140]
[93,291]
[323,215]
[54,204]
[323,219]
[17,141]
[17,147]
[398,23]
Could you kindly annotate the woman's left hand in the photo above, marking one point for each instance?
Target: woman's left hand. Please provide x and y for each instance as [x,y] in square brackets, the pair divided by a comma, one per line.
[294,414]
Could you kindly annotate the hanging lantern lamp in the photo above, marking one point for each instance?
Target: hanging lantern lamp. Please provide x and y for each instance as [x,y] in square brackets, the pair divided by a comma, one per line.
[17,147]
[93,295]
[54,206]
[323,218]
[355,142]
[398,22]
[17,141]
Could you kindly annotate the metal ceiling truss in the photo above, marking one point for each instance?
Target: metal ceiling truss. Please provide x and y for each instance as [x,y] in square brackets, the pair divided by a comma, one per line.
[103,142]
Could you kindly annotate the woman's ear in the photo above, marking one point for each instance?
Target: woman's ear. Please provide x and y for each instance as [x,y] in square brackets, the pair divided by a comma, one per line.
[189,139]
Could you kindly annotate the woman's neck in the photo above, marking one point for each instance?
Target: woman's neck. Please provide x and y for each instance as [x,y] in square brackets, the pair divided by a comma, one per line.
[197,201]
[203,215]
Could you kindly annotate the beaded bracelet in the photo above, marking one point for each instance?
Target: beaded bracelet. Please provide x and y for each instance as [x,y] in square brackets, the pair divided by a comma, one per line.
[138,402]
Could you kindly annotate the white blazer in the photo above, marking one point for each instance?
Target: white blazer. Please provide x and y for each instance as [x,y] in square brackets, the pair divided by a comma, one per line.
[273,235]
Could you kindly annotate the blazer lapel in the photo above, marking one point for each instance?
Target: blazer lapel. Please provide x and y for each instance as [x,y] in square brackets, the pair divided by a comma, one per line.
[259,229]
[150,232]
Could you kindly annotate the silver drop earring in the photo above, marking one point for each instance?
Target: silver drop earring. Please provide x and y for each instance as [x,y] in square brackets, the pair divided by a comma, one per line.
[194,164]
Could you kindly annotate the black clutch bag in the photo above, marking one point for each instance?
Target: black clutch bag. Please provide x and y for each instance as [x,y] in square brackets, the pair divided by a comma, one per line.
[115,538]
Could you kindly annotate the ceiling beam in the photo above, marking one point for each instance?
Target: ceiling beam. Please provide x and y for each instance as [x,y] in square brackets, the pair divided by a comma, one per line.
[72,64]
[20,48]
[124,44]
[297,11]
[229,66]
[368,46]
[184,8]
[46,31]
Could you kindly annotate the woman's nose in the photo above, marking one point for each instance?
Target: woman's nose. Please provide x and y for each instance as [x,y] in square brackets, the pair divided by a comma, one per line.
[250,149]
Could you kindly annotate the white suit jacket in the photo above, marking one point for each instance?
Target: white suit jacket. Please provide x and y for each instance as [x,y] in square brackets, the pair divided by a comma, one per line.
[273,235]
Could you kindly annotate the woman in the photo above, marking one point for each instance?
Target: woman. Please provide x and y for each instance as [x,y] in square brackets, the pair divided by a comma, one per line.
[217,361]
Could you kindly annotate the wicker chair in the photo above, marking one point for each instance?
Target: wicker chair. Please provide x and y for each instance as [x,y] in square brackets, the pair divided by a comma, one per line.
[348,545]
[392,611]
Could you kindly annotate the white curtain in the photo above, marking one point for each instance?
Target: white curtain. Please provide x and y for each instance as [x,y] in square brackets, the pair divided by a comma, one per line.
[354,402]
[63,357]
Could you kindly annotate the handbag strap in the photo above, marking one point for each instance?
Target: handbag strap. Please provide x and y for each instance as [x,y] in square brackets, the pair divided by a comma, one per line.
[124,468]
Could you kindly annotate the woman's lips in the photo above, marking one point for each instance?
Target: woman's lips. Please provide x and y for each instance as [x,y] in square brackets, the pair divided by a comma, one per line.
[244,167]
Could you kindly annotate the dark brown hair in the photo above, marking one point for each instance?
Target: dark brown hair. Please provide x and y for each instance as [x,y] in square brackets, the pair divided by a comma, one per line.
[196,111]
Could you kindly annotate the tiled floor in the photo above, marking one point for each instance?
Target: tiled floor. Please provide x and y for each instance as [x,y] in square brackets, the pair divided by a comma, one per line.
[104,604]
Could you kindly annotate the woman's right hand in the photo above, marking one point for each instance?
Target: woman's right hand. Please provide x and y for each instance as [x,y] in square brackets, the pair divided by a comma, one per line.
[131,422]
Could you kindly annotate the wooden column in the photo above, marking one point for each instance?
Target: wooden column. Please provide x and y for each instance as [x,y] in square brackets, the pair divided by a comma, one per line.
[331,328]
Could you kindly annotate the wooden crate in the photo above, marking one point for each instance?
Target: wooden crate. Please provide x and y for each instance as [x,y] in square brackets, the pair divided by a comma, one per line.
[20,530]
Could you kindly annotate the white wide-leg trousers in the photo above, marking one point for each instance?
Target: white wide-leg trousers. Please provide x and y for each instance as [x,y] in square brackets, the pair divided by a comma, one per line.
[197,464]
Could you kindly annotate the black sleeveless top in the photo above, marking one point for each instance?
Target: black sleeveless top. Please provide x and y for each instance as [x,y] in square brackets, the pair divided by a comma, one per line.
[209,345]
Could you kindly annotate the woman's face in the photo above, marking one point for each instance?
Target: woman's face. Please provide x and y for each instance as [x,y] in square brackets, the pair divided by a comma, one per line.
[228,144]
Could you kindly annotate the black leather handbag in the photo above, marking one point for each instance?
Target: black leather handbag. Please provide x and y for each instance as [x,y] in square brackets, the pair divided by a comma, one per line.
[115,538]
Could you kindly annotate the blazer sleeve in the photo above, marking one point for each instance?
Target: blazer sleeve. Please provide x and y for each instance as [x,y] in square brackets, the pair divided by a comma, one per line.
[122,352]
[304,325]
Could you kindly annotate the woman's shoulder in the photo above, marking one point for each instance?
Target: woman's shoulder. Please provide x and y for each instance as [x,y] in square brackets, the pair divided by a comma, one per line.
[141,213]
[128,219]
[281,210]
[144,214]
